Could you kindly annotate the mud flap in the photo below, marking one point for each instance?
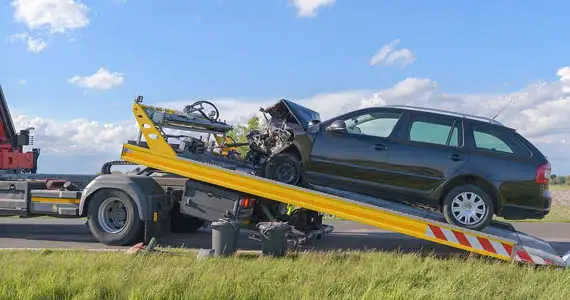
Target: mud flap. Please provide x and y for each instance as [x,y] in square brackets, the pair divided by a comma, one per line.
[159,224]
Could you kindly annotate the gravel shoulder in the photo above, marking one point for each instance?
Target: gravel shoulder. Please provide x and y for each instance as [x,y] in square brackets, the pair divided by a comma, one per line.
[561,196]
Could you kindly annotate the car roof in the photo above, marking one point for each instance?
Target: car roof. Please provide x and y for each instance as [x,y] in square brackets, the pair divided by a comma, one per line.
[447,113]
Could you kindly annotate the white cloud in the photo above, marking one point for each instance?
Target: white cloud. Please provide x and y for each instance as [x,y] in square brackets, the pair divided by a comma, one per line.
[78,136]
[388,56]
[539,112]
[103,79]
[18,37]
[308,8]
[48,16]
[564,74]
[57,16]
[405,57]
[34,44]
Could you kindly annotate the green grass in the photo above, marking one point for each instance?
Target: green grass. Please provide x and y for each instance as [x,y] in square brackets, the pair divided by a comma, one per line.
[346,275]
[559,187]
[557,213]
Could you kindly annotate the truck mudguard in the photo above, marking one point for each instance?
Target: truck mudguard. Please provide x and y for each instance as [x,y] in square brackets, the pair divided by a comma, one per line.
[140,188]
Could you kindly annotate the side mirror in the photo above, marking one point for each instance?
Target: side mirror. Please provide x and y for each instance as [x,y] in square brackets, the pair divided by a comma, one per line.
[337,126]
[314,122]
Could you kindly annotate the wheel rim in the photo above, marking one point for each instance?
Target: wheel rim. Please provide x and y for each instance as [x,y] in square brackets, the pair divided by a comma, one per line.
[112,215]
[285,172]
[468,208]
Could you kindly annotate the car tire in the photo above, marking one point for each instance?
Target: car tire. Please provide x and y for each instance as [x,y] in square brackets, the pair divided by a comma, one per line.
[285,168]
[104,229]
[468,206]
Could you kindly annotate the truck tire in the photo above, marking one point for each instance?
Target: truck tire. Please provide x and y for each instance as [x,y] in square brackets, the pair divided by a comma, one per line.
[468,206]
[113,218]
[180,223]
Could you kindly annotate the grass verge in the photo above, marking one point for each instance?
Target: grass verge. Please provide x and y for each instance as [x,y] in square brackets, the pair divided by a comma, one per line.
[338,275]
[560,187]
[557,213]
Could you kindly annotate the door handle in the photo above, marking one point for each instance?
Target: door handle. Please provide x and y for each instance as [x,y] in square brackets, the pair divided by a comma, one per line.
[380,147]
[455,157]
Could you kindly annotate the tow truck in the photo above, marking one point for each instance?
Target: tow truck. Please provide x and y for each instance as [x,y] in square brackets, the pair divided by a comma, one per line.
[181,187]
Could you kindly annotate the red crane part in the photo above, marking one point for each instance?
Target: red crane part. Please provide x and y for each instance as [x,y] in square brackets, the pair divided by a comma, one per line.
[12,155]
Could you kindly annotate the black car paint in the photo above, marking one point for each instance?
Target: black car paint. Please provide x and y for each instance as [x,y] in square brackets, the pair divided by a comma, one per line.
[394,168]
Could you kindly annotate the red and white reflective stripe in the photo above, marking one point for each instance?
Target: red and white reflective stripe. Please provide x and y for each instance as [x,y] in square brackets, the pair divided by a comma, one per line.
[524,256]
[468,240]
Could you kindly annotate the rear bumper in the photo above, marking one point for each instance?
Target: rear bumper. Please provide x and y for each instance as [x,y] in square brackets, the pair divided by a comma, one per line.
[520,213]
[540,207]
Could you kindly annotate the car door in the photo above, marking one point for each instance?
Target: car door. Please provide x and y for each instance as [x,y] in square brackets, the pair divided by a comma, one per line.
[354,160]
[429,150]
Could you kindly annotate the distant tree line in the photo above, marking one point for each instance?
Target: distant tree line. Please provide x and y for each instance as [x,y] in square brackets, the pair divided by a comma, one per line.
[555,179]
[239,132]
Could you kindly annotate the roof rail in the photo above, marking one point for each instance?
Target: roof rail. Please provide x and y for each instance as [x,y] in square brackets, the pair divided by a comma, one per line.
[447,112]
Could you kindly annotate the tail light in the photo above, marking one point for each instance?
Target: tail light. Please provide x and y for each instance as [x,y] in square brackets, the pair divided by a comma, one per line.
[246,202]
[543,173]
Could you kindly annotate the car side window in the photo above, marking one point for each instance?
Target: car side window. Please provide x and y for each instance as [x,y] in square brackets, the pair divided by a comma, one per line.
[488,141]
[379,124]
[499,140]
[434,132]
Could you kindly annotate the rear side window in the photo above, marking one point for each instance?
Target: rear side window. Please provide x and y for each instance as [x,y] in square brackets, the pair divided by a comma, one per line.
[434,131]
[498,141]
[490,142]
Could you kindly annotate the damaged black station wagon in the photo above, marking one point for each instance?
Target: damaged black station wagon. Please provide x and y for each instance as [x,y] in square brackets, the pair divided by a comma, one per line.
[469,168]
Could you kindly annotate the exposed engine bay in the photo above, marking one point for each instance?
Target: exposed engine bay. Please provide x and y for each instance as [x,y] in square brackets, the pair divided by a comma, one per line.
[286,119]
[275,136]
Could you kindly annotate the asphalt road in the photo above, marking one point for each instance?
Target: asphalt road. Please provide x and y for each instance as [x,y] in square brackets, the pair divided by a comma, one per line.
[73,233]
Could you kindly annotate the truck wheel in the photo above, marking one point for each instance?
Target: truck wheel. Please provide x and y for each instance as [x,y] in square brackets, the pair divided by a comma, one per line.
[468,206]
[113,218]
[285,168]
[180,223]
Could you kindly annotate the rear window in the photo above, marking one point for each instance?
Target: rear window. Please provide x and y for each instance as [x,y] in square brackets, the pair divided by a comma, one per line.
[498,141]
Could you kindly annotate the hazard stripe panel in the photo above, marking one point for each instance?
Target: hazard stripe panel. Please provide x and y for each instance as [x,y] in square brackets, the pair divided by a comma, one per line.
[469,240]
[525,257]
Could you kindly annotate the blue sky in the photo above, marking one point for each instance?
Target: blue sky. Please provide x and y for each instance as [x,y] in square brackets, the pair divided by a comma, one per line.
[251,51]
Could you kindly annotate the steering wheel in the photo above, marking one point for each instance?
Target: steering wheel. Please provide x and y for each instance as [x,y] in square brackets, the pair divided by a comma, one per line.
[198,106]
